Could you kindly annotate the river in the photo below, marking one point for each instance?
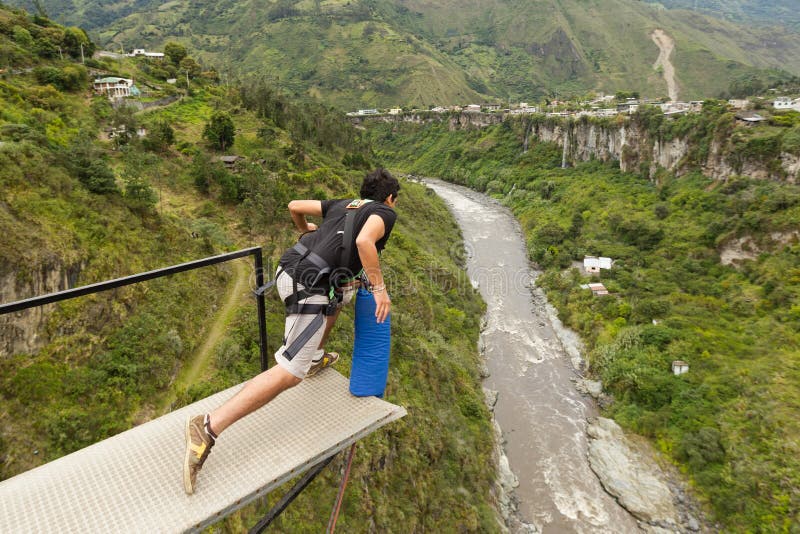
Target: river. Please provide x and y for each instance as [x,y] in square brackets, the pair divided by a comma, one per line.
[542,416]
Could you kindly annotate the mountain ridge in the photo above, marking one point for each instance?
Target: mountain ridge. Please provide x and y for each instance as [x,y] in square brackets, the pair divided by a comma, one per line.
[386,53]
[773,13]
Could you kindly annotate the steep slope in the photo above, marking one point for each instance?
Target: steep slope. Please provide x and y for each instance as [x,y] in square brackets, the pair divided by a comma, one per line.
[420,52]
[572,45]
[87,208]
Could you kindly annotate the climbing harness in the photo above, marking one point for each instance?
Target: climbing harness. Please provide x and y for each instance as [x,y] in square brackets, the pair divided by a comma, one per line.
[293,303]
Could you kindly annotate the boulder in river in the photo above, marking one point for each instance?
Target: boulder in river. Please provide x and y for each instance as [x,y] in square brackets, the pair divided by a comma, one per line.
[630,474]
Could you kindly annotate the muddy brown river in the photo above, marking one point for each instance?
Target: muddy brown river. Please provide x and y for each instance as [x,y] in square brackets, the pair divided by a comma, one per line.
[542,416]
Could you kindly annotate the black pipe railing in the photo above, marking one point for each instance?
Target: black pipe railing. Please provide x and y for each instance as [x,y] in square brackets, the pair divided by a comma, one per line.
[158,273]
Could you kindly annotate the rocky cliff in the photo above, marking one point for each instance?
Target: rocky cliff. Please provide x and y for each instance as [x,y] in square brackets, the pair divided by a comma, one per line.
[629,141]
[640,151]
[23,331]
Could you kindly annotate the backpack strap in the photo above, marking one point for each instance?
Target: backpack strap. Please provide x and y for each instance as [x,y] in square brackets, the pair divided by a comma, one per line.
[349,226]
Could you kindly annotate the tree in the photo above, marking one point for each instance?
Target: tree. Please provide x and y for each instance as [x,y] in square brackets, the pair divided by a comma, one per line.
[161,137]
[219,131]
[138,193]
[99,178]
[175,52]
[125,122]
[190,66]
[84,161]
[74,38]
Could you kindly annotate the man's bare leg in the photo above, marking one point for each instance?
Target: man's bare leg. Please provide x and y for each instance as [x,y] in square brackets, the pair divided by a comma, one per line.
[329,322]
[255,394]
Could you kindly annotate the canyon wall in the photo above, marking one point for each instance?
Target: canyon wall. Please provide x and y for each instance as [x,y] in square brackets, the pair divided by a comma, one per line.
[623,139]
[24,331]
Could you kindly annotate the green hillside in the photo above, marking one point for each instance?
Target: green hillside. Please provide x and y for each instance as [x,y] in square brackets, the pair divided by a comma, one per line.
[366,53]
[72,198]
[761,12]
[732,422]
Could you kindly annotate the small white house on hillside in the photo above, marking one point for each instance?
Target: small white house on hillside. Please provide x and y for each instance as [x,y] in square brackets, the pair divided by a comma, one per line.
[141,52]
[598,289]
[680,367]
[115,87]
[738,103]
[593,264]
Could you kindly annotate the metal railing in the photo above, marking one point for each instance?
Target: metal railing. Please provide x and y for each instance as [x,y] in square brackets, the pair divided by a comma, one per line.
[158,273]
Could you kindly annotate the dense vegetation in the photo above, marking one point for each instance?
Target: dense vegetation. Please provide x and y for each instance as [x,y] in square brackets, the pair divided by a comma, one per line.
[732,422]
[388,53]
[75,200]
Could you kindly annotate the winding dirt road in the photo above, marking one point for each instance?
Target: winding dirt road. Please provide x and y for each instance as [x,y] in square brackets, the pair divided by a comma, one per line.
[237,290]
[666,45]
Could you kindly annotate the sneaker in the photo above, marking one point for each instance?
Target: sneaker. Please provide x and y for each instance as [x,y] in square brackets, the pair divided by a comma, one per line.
[198,445]
[328,359]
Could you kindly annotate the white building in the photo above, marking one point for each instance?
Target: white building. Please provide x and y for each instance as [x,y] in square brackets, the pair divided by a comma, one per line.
[473,108]
[593,264]
[395,111]
[598,289]
[114,87]
[786,103]
[606,112]
[680,367]
[523,109]
[141,52]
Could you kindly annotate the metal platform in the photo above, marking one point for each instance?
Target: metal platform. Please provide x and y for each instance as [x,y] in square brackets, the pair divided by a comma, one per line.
[132,482]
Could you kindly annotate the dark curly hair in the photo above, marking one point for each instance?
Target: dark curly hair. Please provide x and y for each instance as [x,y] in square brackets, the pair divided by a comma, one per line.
[378,185]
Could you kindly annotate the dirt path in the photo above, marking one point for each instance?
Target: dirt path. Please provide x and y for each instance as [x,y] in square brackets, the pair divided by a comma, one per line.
[666,45]
[198,362]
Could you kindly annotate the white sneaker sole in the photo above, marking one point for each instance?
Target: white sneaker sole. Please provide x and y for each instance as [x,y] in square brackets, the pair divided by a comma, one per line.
[187,479]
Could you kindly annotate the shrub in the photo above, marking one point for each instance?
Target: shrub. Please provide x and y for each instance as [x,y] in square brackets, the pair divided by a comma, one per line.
[701,448]
[791,141]
[99,178]
[219,131]
[70,78]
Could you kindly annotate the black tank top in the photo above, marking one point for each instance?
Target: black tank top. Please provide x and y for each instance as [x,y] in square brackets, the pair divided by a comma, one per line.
[326,242]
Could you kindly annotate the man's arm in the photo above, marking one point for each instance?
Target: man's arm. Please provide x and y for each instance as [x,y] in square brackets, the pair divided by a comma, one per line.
[299,209]
[371,233]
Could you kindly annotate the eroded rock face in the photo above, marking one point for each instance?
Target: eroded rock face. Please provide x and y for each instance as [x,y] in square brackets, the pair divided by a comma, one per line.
[630,474]
[22,332]
[632,146]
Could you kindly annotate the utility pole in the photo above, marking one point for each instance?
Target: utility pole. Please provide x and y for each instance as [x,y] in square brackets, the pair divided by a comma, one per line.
[83,60]
[60,55]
